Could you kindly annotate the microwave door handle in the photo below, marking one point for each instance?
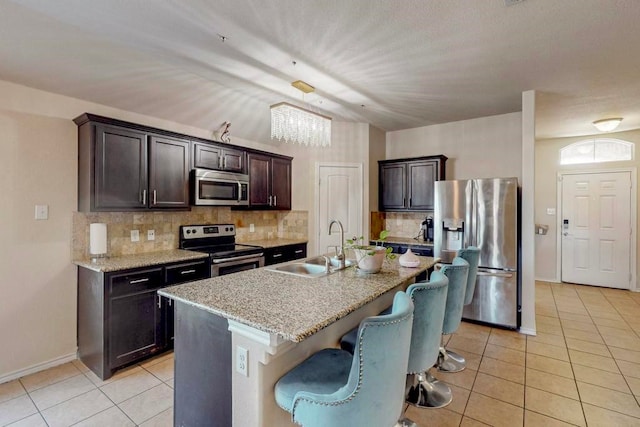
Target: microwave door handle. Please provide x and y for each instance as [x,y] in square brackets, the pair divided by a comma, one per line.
[239,191]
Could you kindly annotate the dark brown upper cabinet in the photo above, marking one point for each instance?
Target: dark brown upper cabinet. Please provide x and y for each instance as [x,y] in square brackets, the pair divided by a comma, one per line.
[124,167]
[218,157]
[269,181]
[407,184]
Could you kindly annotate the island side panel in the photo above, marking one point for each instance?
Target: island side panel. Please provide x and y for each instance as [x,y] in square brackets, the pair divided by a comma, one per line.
[202,349]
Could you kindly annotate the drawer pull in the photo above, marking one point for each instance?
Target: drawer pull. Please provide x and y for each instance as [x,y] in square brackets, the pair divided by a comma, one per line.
[187,271]
[299,251]
[133,282]
[277,255]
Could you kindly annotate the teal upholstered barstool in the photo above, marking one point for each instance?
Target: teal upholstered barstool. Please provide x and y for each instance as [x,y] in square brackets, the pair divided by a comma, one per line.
[334,388]
[470,254]
[457,273]
[429,300]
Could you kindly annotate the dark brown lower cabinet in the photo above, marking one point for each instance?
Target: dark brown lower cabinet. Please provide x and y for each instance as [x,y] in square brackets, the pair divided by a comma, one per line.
[122,319]
[135,327]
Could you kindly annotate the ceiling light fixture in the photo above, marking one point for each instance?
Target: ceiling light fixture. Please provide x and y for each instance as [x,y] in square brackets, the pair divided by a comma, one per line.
[607,125]
[296,124]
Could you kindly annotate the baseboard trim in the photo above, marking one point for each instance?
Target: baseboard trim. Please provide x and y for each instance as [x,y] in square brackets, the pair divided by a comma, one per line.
[38,367]
[527,331]
[554,280]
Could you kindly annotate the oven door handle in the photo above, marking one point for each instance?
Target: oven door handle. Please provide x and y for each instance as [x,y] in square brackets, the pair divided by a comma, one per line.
[237,258]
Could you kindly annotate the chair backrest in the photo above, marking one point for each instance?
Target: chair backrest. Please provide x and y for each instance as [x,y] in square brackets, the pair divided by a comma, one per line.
[429,300]
[472,256]
[457,273]
[374,393]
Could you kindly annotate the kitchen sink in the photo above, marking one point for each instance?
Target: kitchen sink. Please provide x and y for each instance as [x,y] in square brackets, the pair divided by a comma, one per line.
[312,267]
[334,262]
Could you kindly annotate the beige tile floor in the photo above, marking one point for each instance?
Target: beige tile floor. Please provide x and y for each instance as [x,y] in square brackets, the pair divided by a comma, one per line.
[583,368]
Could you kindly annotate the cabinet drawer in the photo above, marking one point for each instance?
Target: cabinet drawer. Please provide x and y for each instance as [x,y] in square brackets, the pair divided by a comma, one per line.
[187,272]
[137,281]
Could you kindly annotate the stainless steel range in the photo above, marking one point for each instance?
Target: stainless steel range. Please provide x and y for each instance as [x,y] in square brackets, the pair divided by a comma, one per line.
[219,241]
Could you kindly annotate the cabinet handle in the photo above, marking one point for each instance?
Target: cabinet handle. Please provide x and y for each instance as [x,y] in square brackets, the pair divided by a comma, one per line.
[275,200]
[159,301]
[154,196]
[224,163]
[144,197]
[270,200]
[299,251]
[219,162]
[133,282]
[277,255]
[187,271]
[170,301]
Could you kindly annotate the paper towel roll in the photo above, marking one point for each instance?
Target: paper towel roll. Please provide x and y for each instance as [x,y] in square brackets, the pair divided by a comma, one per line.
[98,238]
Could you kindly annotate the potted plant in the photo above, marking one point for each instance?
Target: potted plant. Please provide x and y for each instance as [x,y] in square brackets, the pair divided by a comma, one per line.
[369,258]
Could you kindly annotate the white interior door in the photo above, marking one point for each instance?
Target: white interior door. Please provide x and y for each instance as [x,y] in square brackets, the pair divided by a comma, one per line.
[340,197]
[596,229]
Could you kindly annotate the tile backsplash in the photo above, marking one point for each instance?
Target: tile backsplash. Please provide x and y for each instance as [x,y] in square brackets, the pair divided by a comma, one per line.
[399,224]
[267,225]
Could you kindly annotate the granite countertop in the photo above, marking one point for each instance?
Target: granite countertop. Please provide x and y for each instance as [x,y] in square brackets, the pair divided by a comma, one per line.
[126,262]
[292,307]
[272,243]
[407,241]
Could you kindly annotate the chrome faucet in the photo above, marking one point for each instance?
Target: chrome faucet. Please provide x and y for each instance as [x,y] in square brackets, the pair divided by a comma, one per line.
[340,256]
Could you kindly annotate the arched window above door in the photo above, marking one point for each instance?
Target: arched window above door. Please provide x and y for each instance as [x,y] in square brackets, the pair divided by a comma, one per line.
[597,150]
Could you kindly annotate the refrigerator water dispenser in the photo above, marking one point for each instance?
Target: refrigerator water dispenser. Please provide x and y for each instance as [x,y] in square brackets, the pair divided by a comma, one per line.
[452,234]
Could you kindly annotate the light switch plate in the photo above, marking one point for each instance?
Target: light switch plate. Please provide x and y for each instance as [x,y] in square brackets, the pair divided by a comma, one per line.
[252,228]
[551,211]
[135,235]
[42,211]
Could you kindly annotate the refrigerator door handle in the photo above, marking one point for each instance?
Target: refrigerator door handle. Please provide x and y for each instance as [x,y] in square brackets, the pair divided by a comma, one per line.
[486,273]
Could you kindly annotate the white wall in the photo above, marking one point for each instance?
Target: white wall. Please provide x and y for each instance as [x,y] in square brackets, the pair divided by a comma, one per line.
[547,153]
[477,148]
[38,165]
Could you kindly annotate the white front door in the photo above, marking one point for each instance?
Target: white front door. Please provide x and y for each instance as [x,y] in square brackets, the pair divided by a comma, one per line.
[596,229]
[340,197]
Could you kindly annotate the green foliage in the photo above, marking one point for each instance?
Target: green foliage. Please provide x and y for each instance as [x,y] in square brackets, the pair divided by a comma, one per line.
[360,243]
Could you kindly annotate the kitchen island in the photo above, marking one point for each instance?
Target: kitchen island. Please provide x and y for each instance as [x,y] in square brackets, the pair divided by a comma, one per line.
[236,335]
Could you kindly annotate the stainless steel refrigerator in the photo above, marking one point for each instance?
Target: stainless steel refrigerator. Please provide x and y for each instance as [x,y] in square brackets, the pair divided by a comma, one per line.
[483,213]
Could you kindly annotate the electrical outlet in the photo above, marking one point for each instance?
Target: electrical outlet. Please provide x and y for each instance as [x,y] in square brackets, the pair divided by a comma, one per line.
[135,235]
[252,228]
[242,360]
[151,235]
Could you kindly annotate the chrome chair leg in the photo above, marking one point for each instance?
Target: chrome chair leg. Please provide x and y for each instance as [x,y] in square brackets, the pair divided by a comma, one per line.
[425,391]
[449,361]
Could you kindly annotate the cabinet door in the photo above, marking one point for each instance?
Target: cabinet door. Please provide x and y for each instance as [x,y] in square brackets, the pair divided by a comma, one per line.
[168,173]
[393,180]
[120,169]
[135,327]
[259,180]
[207,156]
[281,183]
[233,160]
[421,176]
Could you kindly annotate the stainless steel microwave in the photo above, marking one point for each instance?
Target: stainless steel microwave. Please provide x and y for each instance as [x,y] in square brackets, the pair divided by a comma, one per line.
[218,188]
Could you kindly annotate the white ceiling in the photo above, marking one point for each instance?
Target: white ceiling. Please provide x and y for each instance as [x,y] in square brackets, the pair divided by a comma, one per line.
[410,63]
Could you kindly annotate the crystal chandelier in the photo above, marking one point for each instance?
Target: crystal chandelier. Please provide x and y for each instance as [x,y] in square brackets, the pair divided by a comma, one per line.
[295,124]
